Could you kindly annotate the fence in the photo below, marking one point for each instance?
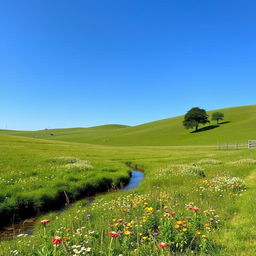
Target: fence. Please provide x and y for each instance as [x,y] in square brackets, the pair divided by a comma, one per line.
[251,144]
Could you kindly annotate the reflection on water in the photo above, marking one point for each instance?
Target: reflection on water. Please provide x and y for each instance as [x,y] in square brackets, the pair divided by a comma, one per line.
[136,178]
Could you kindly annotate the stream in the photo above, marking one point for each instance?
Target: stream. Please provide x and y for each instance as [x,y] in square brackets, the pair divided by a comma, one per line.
[26,227]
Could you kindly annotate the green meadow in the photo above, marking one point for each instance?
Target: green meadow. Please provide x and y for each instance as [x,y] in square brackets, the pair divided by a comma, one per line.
[238,126]
[194,199]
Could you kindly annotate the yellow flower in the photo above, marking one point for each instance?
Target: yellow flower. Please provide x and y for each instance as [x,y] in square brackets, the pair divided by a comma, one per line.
[135,250]
[140,234]
[198,233]
[179,222]
[113,220]
[203,236]
[184,229]
[127,232]
[144,238]
[177,226]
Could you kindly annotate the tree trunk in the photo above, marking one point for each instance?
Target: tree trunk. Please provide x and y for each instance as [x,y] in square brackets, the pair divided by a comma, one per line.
[196,127]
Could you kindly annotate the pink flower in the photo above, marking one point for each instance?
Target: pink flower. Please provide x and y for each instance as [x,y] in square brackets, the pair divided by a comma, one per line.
[43,222]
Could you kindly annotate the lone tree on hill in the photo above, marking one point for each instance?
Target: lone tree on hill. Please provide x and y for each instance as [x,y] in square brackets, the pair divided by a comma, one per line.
[217,116]
[194,117]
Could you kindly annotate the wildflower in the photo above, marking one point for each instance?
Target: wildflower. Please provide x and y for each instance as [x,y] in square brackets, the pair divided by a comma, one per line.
[163,245]
[120,220]
[68,229]
[203,236]
[144,238]
[43,222]
[198,233]
[179,222]
[195,209]
[188,218]
[155,234]
[176,226]
[184,229]
[113,234]
[127,233]
[172,213]
[57,240]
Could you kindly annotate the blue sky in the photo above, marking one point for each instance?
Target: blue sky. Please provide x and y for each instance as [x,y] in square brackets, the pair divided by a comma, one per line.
[86,62]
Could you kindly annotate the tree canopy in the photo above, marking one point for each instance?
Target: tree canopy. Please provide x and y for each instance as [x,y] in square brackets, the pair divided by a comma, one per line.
[217,116]
[194,117]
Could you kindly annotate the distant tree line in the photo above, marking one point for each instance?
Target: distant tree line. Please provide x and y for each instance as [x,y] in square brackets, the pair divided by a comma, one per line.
[196,116]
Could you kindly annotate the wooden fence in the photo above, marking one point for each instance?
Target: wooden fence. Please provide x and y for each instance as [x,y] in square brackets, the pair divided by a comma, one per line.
[251,144]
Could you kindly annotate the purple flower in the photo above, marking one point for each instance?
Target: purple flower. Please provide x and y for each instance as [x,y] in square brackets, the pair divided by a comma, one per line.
[188,218]
[155,234]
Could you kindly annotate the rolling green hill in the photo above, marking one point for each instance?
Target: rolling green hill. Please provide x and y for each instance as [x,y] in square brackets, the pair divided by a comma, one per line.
[238,126]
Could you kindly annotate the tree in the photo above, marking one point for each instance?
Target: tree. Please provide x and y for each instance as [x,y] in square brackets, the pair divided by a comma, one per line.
[217,116]
[194,117]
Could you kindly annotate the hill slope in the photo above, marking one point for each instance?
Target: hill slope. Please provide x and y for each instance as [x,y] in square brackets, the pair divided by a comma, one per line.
[239,126]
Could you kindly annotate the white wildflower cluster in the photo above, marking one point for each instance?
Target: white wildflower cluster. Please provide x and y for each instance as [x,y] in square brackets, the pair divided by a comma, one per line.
[180,170]
[224,184]
[80,250]
[14,252]
[80,164]
[244,162]
[209,161]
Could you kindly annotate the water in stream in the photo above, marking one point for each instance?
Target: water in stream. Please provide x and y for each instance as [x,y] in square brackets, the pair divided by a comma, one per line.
[26,227]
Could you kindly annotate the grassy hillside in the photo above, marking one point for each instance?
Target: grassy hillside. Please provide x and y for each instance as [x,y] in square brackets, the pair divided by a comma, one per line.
[239,127]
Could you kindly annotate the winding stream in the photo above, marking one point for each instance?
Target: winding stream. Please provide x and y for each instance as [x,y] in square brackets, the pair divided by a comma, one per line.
[26,227]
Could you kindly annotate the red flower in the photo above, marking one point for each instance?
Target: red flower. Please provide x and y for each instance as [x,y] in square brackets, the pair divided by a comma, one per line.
[195,209]
[163,245]
[43,222]
[57,240]
[113,234]
[172,213]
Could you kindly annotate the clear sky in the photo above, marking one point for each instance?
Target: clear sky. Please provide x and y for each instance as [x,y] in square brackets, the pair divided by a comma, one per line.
[77,63]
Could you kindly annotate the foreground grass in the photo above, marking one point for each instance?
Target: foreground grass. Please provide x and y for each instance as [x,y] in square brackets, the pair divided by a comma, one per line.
[180,208]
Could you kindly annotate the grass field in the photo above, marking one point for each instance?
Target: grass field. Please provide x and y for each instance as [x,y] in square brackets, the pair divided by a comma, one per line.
[194,200]
[239,128]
